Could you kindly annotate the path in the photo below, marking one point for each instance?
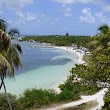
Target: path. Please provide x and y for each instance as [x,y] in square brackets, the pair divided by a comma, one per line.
[84,99]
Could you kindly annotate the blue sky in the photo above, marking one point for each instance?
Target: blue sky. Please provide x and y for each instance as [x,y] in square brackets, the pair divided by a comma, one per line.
[47,17]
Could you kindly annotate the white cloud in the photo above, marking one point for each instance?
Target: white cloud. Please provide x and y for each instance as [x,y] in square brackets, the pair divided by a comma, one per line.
[67,11]
[98,17]
[20,14]
[26,16]
[102,18]
[15,4]
[73,1]
[87,16]
[22,18]
[31,17]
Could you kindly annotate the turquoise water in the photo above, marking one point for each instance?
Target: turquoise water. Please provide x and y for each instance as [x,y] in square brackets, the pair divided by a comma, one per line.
[42,68]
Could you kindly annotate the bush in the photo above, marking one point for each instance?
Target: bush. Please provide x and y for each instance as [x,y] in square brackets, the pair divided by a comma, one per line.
[107,101]
[79,88]
[16,105]
[89,89]
[37,97]
[68,95]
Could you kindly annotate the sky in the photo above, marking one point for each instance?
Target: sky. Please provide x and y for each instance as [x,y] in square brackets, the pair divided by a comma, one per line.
[55,17]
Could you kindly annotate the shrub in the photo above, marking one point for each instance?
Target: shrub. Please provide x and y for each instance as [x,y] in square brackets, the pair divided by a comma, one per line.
[68,95]
[107,101]
[37,97]
[79,88]
[16,105]
[89,89]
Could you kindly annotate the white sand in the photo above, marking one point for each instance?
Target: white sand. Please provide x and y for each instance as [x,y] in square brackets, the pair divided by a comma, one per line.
[70,49]
[79,58]
[84,99]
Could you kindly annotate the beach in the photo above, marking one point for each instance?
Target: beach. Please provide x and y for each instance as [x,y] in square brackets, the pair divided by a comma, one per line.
[78,52]
[80,60]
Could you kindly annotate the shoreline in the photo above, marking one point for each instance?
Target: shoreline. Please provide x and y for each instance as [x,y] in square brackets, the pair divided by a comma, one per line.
[78,52]
[80,60]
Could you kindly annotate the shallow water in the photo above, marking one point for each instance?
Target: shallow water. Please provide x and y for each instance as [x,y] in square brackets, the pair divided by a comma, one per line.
[42,68]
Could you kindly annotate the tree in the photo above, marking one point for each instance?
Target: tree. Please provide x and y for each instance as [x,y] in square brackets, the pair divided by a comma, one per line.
[67,34]
[9,55]
[97,71]
[103,29]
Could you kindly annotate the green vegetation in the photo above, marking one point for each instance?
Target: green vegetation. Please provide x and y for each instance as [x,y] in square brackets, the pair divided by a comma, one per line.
[107,101]
[36,98]
[16,105]
[78,87]
[87,58]
[61,40]
[97,71]
[39,98]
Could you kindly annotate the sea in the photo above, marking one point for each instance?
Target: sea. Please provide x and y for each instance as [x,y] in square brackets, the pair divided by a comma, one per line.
[43,67]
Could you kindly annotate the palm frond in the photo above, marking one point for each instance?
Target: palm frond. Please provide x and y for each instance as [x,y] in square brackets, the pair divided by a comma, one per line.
[13,57]
[18,48]
[103,28]
[4,63]
[3,25]
[13,32]
[4,40]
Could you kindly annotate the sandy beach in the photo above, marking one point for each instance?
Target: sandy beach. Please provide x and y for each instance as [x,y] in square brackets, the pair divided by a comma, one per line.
[78,52]
[80,60]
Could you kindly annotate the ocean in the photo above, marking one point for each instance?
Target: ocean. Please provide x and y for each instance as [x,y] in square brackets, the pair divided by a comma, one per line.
[44,68]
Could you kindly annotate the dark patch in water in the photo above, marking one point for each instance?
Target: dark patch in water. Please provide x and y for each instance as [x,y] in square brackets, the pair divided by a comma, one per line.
[60,61]
[35,58]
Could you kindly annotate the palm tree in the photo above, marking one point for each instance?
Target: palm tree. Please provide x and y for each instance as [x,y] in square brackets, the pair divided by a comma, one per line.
[101,40]
[103,29]
[9,55]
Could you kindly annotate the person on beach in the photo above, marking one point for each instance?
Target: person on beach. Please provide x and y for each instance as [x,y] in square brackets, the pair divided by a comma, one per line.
[76,80]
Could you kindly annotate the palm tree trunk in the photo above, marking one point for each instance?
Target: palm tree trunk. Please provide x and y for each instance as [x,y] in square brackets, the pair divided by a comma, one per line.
[1,84]
[6,94]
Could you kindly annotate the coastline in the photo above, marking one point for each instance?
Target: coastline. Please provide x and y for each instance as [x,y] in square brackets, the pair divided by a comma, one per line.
[78,52]
[80,60]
